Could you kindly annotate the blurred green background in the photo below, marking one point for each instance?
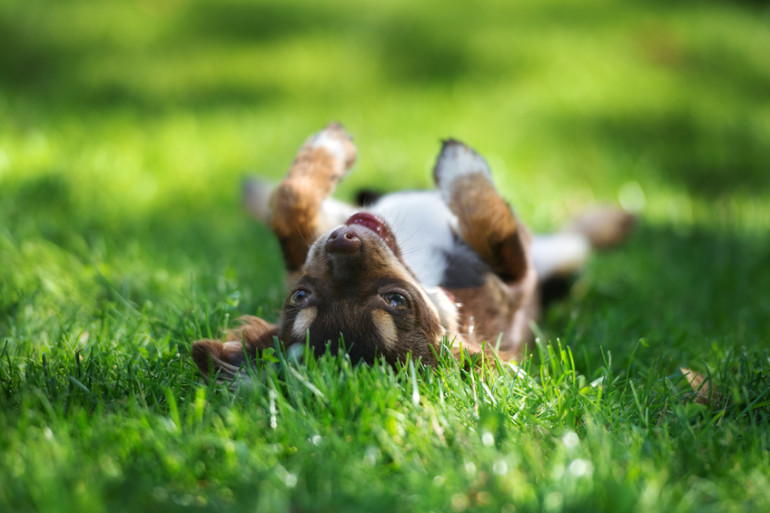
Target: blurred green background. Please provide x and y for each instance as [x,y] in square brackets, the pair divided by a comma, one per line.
[126,127]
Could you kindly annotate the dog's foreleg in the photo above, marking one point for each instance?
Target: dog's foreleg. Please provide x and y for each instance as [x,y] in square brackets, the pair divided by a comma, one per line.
[296,203]
[226,360]
[485,221]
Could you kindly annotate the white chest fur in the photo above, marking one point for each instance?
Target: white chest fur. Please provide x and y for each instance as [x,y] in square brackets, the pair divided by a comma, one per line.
[424,228]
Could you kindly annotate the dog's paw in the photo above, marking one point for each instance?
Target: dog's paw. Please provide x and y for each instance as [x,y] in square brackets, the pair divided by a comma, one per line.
[457,160]
[604,226]
[335,139]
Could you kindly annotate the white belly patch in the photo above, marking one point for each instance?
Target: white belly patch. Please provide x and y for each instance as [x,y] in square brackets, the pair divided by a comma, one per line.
[424,228]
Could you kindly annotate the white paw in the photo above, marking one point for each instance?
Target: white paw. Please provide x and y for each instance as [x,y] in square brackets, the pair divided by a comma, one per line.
[559,254]
[457,160]
[337,142]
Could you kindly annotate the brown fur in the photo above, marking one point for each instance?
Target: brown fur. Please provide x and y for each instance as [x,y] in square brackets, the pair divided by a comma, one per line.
[489,313]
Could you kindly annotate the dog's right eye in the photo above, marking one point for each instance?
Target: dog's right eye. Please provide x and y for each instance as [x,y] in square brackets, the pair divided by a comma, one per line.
[300,297]
[396,301]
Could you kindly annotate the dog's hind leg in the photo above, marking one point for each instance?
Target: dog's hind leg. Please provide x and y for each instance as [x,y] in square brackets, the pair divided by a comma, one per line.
[485,221]
[559,257]
[299,212]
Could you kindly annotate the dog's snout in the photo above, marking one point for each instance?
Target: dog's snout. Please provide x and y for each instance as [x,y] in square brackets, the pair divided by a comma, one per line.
[344,239]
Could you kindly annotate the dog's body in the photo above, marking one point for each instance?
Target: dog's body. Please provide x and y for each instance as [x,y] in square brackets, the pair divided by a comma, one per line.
[408,271]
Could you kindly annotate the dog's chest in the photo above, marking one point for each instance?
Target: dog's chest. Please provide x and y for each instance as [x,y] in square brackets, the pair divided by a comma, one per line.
[426,231]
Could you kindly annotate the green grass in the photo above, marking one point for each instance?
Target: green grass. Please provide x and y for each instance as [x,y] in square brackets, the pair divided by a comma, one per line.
[125,129]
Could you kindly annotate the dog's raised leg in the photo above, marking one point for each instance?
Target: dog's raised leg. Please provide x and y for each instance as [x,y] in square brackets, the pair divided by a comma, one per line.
[488,225]
[296,203]
[485,221]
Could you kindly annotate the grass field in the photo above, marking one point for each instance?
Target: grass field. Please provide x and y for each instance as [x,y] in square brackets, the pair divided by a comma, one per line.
[126,127]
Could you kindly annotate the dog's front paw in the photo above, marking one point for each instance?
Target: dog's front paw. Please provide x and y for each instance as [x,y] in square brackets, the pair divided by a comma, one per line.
[335,140]
[456,160]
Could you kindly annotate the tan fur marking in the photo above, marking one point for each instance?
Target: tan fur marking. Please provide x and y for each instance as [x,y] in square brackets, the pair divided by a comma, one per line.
[386,328]
[303,321]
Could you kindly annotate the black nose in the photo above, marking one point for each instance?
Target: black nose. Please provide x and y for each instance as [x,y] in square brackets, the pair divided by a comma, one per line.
[344,239]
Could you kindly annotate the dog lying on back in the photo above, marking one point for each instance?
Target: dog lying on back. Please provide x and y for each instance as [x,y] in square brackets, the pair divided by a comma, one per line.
[410,270]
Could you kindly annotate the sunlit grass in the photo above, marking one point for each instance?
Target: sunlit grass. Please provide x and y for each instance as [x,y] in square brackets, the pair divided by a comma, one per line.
[125,129]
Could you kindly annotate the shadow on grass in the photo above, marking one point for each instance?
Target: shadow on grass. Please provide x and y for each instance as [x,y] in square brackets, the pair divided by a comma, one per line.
[689,296]
[708,155]
[709,158]
[47,67]
[43,65]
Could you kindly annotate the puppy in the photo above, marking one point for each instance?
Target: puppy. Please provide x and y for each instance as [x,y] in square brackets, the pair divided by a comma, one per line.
[411,270]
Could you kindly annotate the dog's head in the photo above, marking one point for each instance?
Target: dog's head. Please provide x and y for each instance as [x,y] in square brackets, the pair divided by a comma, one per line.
[355,294]
[355,289]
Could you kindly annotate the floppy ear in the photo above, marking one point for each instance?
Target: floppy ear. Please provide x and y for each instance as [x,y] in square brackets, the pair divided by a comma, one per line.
[226,359]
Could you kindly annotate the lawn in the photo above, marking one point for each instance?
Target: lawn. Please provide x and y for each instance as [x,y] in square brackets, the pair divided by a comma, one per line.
[126,128]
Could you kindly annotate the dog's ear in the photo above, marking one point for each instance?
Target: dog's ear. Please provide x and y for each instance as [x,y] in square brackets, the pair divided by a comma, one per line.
[225,360]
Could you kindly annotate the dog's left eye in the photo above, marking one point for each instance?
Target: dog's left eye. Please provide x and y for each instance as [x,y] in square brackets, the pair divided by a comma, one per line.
[300,297]
[396,301]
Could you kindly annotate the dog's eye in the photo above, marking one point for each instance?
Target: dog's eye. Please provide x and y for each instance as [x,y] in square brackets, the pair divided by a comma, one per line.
[300,297]
[396,301]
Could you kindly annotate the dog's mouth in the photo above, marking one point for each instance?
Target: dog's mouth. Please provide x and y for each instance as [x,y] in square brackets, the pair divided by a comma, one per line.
[378,226]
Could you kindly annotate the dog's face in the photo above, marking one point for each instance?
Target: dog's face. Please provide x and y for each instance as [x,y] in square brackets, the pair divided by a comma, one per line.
[355,287]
